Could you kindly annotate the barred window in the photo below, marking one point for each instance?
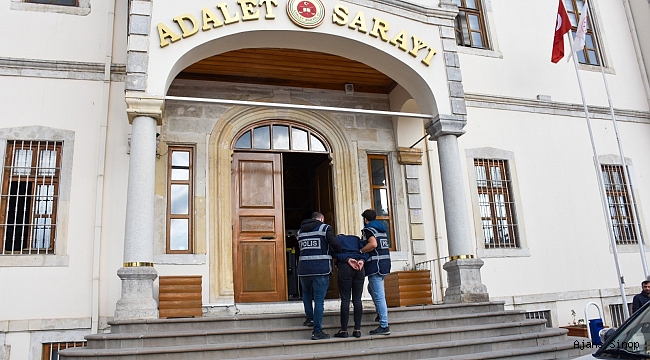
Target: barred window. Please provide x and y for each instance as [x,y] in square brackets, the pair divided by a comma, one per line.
[469,24]
[30,192]
[179,200]
[620,207]
[496,204]
[54,2]
[540,314]
[589,55]
[51,350]
[617,314]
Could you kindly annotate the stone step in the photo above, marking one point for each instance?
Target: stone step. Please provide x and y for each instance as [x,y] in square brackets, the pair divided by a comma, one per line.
[420,329]
[271,321]
[398,345]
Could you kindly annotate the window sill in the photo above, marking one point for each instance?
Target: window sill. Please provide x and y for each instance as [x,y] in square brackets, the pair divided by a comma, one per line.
[82,10]
[179,259]
[631,248]
[503,253]
[34,261]
[596,68]
[480,52]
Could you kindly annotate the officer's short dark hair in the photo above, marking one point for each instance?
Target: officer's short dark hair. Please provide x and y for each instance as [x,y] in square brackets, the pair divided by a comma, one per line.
[316,215]
[645,282]
[369,214]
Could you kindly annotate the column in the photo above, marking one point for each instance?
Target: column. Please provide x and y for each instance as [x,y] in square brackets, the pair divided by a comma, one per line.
[137,274]
[463,268]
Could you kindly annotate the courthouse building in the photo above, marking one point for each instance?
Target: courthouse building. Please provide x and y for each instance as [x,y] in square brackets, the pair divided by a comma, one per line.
[148,138]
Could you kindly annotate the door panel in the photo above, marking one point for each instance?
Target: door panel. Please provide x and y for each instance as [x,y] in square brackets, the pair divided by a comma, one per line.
[325,199]
[258,232]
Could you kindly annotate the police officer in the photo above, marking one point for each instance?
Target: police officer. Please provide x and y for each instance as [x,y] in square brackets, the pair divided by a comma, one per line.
[316,241]
[377,267]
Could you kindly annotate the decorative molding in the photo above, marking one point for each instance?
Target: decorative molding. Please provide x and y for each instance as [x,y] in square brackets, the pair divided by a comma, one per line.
[58,69]
[446,125]
[416,12]
[553,108]
[83,9]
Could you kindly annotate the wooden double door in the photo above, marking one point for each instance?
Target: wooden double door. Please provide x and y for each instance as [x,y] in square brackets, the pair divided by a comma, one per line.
[259,251]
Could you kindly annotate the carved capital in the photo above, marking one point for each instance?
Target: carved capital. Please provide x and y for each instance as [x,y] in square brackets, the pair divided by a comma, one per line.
[409,156]
[446,125]
[150,106]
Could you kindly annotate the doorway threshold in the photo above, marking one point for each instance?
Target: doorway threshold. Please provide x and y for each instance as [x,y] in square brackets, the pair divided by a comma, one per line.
[283,307]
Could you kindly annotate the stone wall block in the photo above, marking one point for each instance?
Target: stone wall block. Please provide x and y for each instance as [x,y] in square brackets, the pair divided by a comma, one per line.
[456,89]
[454,74]
[447,32]
[458,106]
[413,186]
[415,202]
[138,43]
[136,62]
[417,231]
[141,8]
[139,24]
[416,216]
[136,82]
[449,45]
[412,171]
[419,247]
[451,59]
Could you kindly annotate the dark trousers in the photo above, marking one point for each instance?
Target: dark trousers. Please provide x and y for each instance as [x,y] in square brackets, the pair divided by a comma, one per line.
[350,282]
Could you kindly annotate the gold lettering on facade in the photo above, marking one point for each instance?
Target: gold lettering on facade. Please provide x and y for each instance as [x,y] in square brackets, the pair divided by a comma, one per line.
[401,39]
[340,16]
[209,17]
[248,11]
[427,60]
[180,20]
[379,28]
[164,32]
[359,23]
[268,5]
[228,19]
[417,46]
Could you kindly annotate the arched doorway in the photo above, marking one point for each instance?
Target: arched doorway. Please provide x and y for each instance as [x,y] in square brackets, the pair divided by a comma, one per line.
[281,173]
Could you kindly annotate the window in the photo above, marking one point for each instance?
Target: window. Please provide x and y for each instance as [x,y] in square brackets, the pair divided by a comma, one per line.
[380,193]
[30,192]
[589,55]
[280,137]
[54,2]
[498,220]
[540,314]
[51,350]
[620,207]
[469,24]
[179,200]
[617,314]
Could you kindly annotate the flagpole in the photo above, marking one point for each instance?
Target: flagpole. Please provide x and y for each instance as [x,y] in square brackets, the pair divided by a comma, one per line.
[626,176]
[601,185]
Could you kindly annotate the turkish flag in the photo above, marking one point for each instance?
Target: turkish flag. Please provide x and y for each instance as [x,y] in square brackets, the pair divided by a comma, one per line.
[562,26]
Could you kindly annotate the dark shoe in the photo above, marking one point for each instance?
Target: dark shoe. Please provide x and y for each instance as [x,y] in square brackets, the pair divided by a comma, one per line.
[319,336]
[308,322]
[356,333]
[381,331]
[341,334]
[377,318]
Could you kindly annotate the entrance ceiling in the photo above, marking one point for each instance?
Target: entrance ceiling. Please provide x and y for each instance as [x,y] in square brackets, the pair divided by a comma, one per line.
[287,67]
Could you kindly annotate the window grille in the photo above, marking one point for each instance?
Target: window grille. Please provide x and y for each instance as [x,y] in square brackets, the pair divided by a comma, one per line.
[30,192]
[589,54]
[620,207]
[469,24]
[617,314]
[51,350]
[540,314]
[496,203]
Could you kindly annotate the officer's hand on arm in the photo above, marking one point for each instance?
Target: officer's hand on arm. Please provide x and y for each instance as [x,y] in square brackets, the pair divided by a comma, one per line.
[370,246]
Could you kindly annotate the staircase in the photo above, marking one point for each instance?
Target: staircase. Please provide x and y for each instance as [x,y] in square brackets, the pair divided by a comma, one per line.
[454,331]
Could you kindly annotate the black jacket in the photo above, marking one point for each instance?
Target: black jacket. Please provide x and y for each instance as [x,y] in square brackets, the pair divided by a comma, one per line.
[310,224]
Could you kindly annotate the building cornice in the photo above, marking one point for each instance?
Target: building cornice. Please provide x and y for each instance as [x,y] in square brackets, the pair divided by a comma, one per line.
[59,69]
[552,108]
[417,12]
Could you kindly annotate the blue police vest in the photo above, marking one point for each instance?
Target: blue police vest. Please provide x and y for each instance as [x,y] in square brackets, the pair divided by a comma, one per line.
[315,258]
[379,261]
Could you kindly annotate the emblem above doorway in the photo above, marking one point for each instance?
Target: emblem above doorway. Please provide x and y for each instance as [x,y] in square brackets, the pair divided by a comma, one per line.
[307,14]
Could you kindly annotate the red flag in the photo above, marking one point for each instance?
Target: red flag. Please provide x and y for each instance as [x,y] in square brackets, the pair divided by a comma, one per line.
[562,26]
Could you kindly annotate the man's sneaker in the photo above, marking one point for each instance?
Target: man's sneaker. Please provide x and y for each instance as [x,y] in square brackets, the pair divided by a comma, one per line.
[319,336]
[381,331]
[377,318]
[308,322]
